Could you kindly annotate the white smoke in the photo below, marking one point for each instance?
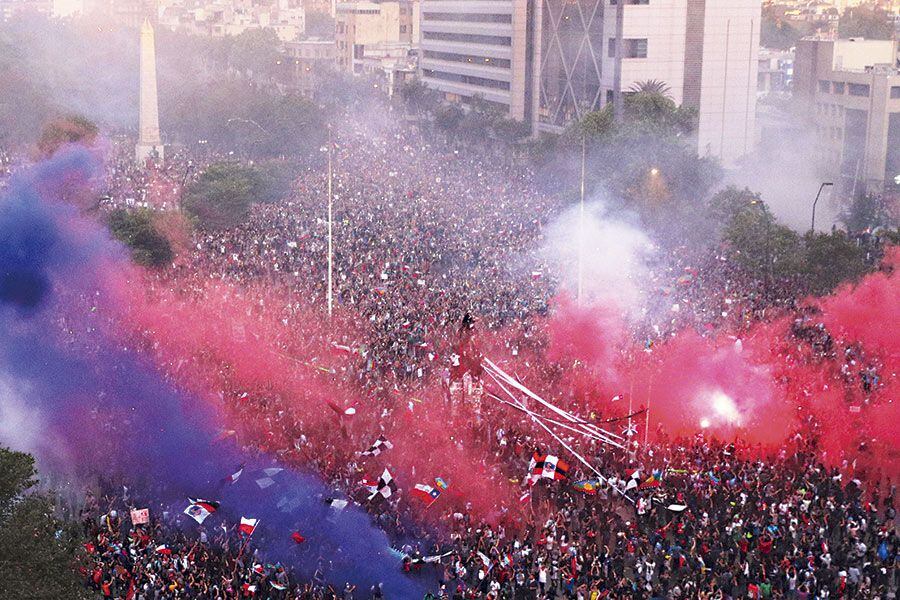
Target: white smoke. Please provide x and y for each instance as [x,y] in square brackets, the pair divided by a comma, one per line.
[613,255]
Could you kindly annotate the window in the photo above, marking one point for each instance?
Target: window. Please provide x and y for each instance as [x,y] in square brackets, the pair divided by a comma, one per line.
[496,40]
[895,91]
[859,89]
[468,58]
[611,52]
[635,48]
[468,79]
[403,29]
[824,86]
[838,87]
[467,18]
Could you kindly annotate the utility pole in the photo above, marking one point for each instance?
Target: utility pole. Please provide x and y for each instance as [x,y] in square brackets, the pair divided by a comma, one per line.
[330,218]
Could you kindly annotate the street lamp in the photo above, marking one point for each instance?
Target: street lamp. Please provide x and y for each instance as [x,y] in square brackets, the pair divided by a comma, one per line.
[654,171]
[816,201]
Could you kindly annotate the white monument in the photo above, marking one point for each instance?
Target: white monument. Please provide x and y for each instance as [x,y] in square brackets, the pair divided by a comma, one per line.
[149,143]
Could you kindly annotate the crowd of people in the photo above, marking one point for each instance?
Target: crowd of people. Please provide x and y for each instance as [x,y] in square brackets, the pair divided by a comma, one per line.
[432,240]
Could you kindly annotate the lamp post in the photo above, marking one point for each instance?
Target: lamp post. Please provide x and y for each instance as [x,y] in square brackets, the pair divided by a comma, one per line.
[330,218]
[816,201]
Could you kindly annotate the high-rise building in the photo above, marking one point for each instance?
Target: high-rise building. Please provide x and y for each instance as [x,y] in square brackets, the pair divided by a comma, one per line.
[149,144]
[480,48]
[850,88]
[550,61]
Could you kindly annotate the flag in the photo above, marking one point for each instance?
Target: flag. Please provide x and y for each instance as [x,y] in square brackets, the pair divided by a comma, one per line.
[336,503]
[259,569]
[378,446]
[369,483]
[248,589]
[634,479]
[677,507]
[587,486]
[525,497]
[426,493]
[654,481]
[441,484]
[163,549]
[548,466]
[248,526]
[712,477]
[265,482]
[386,486]
[278,586]
[234,476]
[140,516]
[297,537]
[484,559]
[199,509]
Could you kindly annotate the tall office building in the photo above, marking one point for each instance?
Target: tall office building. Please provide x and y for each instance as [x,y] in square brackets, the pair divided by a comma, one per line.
[850,89]
[551,61]
[480,48]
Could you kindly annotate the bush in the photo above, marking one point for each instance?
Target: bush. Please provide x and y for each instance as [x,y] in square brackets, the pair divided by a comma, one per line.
[136,230]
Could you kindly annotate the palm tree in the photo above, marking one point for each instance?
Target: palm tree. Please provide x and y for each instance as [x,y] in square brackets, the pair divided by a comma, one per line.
[651,86]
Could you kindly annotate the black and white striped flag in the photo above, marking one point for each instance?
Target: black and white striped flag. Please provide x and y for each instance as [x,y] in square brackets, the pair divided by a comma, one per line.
[378,446]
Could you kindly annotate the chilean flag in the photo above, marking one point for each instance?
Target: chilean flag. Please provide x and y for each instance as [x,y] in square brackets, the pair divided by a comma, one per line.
[248,526]
[426,493]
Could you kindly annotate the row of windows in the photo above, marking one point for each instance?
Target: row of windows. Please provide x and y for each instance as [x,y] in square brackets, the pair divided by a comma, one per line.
[631,48]
[614,2]
[469,79]
[466,18]
[837,87]
[467,58]
[854,89]
[495,40]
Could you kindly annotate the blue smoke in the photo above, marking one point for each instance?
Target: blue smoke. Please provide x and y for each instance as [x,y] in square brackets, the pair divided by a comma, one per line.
[109,411]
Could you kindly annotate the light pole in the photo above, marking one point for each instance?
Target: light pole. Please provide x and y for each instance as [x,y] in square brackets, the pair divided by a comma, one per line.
[816,201]
[330,246]
[581,223]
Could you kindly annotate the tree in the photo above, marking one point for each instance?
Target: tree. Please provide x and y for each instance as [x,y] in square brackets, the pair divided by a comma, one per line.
[867,22]
[762,246]
[831,259]
[255,51]
[447,117]
[866,211]
[135,229]
[651,86]
[37,550]
[419,98]
[726,204]
[223,194]
[778,33]
[66,130]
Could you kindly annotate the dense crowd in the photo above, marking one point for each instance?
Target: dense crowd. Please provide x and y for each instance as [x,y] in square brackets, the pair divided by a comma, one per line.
[425,234]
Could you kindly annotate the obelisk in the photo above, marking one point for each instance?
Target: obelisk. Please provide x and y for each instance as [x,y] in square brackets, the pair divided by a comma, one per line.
[149,143]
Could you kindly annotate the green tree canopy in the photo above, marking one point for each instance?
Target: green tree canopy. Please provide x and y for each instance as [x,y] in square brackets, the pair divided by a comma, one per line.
[223,194]
[135,229]
[865,21]
[831,259]
[66,130]
[37,550]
